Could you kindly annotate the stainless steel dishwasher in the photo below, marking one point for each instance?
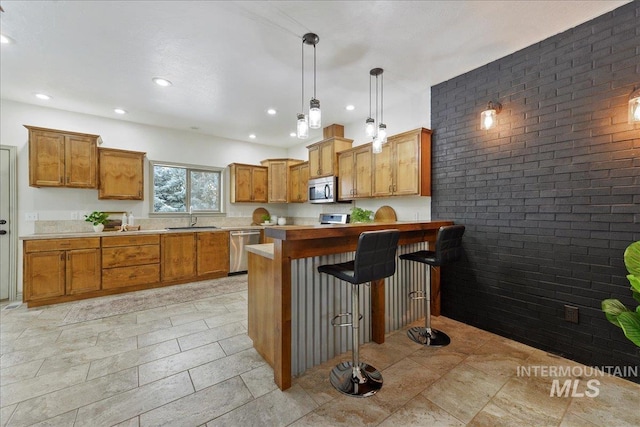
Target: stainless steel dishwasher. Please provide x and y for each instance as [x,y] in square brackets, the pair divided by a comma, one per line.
[237,254]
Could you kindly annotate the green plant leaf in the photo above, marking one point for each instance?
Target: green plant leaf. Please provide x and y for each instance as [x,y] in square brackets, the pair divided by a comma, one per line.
[632,258]
[613,309]
[636,296]
[630,324]
[634,281]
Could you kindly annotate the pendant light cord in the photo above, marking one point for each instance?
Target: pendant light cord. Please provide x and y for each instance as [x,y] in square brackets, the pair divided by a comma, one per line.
[369,95]
[302,100]
[314,71]
[381,98]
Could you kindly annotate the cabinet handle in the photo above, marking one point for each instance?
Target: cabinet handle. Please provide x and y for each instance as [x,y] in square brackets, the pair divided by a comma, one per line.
[61,257]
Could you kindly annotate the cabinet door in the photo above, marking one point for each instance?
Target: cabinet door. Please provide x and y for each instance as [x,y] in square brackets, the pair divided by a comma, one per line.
[277,182]
[83,272]
[362,172]
[327,159]
[314,162]
[44,275]
[406,166]
[46,159]
[259,184]
[299,177]
[304,182]
[81,161]
[121,174]
[178,256]
[242,183]
[213,253]
[347,175]
[382,165]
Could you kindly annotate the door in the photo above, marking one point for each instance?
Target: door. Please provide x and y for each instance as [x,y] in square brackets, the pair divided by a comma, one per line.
[178,256]
[213,253]
[8,223]
[83,271]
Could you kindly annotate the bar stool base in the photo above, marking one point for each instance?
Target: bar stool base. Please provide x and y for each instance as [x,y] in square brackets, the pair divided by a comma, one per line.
[345,381]
[434,339]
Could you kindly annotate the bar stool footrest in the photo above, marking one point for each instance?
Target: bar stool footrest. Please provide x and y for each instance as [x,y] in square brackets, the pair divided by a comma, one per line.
[434,338]
[340,325]
[363,382]
[417,295]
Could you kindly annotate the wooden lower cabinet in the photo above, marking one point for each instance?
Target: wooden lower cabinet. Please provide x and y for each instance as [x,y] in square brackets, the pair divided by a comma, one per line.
[130,261]
[55,268]
[213,253]
[178,256]
[59,270]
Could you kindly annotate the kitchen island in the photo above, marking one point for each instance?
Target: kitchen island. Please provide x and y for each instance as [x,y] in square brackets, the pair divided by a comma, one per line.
[291,305]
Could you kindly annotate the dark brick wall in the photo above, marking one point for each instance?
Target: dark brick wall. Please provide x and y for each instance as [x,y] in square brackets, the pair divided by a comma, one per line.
[551,197]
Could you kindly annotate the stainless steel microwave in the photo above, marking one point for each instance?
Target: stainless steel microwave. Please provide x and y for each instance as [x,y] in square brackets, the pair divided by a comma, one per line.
[323,190]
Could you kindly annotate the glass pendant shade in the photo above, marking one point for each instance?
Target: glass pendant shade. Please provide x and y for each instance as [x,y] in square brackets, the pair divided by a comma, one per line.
[370,127]
[634,107]
[302,129]
[382,133]
[315,116]
[376,146]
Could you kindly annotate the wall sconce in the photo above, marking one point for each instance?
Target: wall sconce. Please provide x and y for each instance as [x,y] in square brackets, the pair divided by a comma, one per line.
[488,116]
[634,107]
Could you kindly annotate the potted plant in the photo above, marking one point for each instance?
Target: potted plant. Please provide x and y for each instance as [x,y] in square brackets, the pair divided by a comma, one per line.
[97,219]
[616,312]
[361,215]
[266,218]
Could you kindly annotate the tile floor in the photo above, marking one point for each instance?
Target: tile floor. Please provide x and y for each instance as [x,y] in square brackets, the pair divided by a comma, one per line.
[190,363]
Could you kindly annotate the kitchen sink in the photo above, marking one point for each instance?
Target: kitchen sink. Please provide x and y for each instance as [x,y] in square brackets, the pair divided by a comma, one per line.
[195,227]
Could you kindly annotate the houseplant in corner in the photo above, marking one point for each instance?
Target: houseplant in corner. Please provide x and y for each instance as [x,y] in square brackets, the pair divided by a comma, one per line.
[615,311]
[98,219]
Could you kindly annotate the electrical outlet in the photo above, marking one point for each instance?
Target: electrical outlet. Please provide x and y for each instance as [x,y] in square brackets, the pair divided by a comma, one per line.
[571,314]
[74,215]
[31,216]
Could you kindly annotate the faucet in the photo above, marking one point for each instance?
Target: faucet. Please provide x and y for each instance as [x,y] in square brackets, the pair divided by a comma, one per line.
[191,217]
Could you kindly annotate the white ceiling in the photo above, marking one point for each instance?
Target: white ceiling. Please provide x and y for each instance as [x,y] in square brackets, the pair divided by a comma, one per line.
[230,61]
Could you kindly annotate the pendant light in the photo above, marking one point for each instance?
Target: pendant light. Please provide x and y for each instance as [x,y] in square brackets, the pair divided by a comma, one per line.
[379,134]
[314,119]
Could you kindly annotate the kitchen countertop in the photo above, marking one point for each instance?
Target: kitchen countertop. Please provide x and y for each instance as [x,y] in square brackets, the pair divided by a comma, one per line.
[132,233]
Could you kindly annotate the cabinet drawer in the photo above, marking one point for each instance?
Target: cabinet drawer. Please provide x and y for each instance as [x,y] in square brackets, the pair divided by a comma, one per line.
[130,276]
[149,239]
[61,244]
[124,256]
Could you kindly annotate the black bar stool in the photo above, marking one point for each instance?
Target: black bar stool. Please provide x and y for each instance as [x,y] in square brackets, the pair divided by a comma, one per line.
[448,249]
[375,259]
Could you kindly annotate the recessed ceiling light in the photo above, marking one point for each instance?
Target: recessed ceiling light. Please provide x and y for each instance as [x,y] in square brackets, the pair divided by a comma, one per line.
[292,134]
[119,111]
[43,96]
[161,82]
[4,39]
[252,136]
[194,128]
[350,107]
[271,111]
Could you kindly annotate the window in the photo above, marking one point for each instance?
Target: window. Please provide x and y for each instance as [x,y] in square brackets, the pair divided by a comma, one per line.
[185,188]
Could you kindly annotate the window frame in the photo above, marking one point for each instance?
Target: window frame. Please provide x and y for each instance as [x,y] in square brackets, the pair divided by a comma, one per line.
[189,168]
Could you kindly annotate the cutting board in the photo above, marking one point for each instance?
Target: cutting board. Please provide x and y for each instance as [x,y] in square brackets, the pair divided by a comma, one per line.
[257,216]
[385,214]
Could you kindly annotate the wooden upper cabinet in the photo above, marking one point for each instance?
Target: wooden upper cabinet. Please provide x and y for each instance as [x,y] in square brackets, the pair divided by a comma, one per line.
[299,180]
[278,179]
[121,174]
[323,159]
[404,166]
[61,158]
[248,183]
[355,173]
